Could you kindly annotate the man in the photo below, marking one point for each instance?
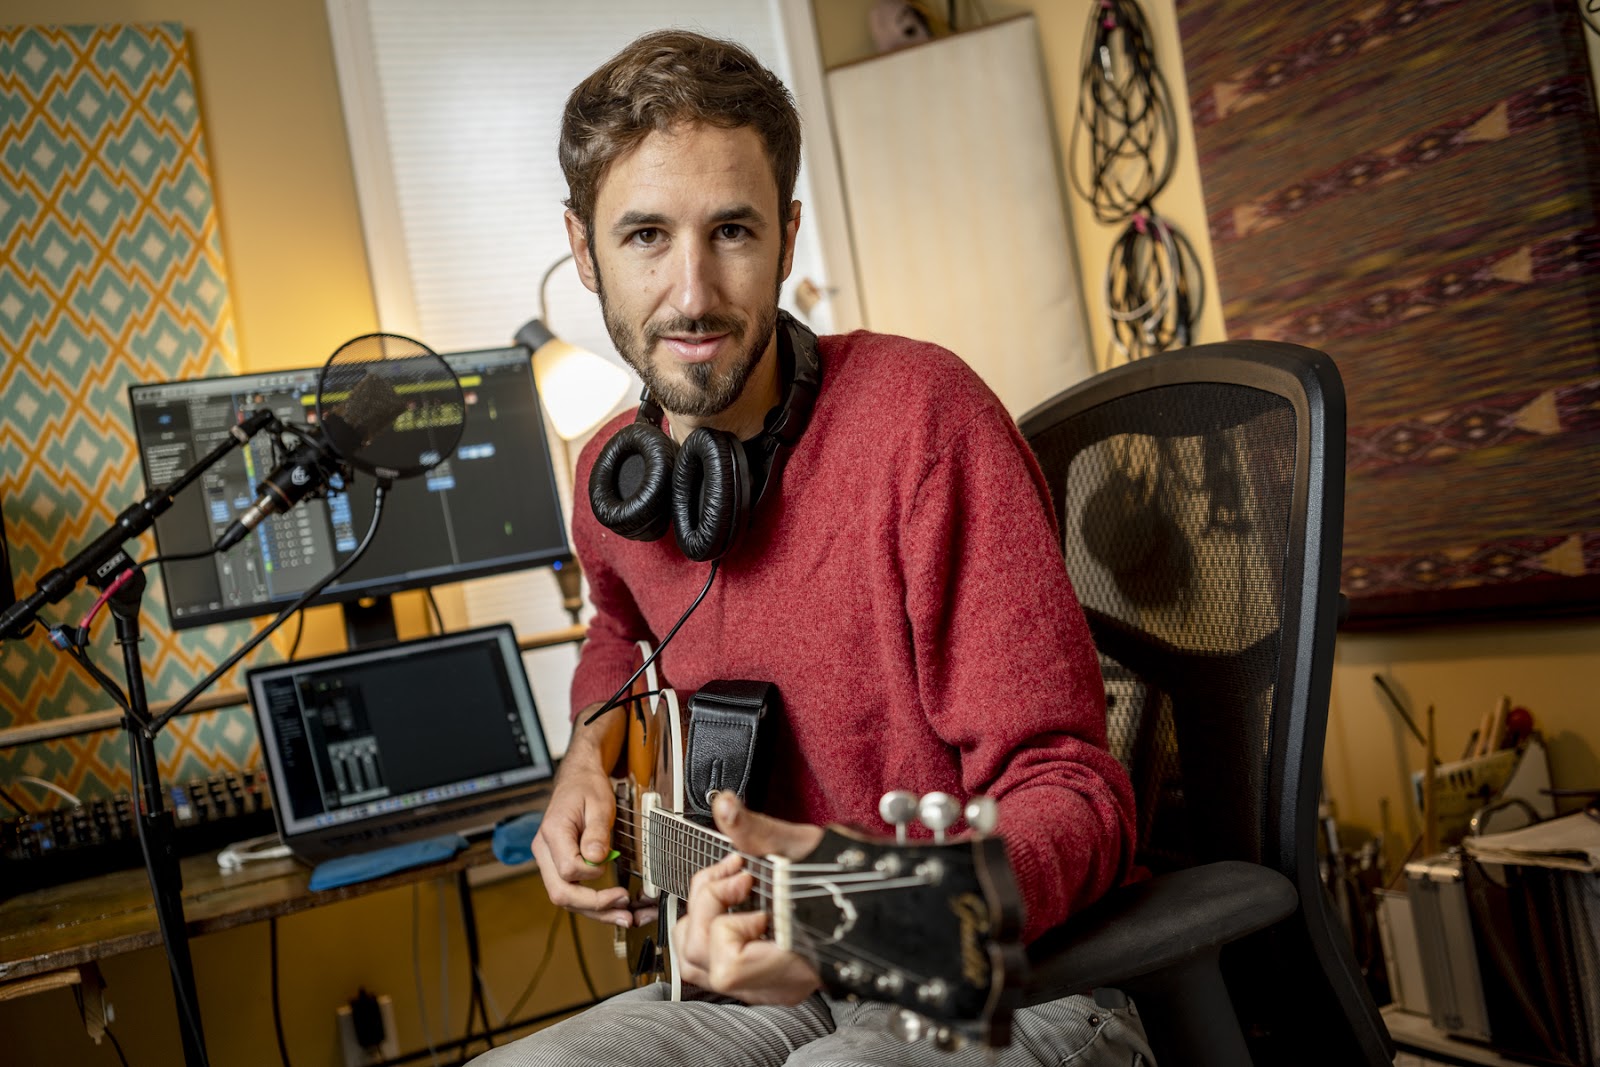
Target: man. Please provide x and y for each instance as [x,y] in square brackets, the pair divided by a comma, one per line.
[900,583]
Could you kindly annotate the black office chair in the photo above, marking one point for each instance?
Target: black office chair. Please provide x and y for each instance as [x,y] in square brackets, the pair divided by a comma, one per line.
[1200,494]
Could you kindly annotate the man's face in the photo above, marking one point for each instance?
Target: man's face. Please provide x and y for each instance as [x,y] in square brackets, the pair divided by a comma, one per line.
[689,249]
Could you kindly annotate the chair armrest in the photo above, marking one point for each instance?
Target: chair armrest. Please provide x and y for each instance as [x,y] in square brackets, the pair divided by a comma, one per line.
[1149,926]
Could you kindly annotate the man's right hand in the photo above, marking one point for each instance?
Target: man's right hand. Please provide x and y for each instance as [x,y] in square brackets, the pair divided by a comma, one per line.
[574,836]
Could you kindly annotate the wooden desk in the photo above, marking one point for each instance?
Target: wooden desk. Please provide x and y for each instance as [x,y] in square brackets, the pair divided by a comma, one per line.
[78,922]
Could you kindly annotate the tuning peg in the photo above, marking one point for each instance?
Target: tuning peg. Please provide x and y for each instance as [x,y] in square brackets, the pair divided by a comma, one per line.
[908,1026]
[983,815]
[897,808]
[937,812]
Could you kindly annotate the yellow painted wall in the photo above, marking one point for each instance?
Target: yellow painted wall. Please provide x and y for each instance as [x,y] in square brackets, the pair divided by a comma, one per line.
[1553,668]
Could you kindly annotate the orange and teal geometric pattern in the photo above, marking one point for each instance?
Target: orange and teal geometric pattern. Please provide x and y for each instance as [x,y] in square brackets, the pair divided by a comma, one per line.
[111,273]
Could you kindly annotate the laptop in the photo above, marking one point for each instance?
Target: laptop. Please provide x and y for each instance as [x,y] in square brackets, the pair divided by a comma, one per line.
[399,743]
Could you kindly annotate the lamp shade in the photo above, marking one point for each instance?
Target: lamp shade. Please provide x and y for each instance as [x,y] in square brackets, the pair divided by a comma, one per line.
[578,388]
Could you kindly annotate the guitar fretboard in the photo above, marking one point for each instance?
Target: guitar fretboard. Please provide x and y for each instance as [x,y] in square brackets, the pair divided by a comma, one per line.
[679,848]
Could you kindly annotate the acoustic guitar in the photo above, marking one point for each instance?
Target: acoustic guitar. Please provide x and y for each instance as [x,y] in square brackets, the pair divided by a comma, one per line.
[929,926]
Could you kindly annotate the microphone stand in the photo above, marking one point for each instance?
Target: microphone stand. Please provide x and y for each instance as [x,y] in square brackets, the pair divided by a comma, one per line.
[155,824]
[104,562]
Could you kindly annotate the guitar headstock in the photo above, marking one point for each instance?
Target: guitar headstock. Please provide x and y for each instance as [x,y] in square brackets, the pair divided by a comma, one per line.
[930,926]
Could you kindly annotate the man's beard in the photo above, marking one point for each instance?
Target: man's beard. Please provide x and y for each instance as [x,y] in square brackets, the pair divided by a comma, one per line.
[709,390]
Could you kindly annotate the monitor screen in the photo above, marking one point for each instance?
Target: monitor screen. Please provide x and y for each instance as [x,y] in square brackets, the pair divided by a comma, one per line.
[429,724]
[491,507]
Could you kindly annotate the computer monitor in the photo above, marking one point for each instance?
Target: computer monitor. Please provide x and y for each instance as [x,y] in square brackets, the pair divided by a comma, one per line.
[491,507]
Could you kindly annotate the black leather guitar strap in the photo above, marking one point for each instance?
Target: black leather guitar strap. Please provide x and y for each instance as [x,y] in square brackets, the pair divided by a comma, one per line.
[721,752]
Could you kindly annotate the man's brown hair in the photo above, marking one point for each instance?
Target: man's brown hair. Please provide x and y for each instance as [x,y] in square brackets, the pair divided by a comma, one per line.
[663,79]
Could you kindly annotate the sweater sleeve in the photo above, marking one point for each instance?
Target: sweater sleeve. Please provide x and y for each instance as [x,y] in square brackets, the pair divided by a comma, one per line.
[609,652]
[1006,669]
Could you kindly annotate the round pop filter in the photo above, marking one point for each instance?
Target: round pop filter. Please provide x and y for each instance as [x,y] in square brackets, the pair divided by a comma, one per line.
[390,406]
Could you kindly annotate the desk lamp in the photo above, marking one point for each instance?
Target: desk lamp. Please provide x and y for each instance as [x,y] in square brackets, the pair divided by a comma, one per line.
[579,390]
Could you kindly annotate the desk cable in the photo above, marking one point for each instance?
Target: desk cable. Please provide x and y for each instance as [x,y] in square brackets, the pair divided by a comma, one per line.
[277,1006]
[265,847]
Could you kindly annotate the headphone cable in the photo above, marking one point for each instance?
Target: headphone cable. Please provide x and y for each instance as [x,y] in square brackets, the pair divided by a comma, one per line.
[617,699]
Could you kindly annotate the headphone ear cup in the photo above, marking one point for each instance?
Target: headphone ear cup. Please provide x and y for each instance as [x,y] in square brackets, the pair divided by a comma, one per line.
[631,482]
[710,491]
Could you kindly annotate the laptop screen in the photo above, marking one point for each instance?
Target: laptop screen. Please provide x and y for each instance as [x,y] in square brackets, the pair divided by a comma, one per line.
[420,726]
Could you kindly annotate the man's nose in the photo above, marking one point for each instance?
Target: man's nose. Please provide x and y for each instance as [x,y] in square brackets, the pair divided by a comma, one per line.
[695,283]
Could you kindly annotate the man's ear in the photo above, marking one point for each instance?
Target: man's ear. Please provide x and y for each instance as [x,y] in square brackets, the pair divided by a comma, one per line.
[582,254]
[790,227]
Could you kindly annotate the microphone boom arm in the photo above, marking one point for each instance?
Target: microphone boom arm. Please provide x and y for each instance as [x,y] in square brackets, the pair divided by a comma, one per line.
[133,521]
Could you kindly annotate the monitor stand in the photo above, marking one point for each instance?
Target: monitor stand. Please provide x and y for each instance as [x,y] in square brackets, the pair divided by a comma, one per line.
[369,622]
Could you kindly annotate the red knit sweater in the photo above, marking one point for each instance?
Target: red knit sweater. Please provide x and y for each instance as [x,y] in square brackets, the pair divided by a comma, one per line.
[903,587]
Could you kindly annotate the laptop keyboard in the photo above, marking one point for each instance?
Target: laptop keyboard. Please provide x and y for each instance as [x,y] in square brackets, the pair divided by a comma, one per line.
[359,839]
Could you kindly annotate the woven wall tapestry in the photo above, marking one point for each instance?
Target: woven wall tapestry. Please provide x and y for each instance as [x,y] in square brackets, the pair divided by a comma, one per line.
[111,272]
[1412,187]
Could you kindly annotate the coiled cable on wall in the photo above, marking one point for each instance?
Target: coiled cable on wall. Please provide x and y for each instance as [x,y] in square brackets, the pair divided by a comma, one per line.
[1124,139]
[1154,290]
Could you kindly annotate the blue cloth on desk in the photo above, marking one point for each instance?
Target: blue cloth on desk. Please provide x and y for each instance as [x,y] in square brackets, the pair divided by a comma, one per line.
[513,837]
[364,866]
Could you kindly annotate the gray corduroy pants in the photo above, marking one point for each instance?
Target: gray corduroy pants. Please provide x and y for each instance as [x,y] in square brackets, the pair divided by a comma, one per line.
[643,1027]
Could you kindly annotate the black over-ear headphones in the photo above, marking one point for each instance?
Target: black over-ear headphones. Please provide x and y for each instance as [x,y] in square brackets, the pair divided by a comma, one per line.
[643,481]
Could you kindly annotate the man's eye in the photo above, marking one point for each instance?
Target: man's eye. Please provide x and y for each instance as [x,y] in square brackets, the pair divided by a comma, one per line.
[731,231]
[646,236]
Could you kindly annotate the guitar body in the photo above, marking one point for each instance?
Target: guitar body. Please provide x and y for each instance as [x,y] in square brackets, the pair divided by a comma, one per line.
[653,775]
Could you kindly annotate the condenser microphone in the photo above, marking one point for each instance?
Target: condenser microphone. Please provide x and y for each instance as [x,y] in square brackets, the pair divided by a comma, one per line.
[369,410]
[304,473]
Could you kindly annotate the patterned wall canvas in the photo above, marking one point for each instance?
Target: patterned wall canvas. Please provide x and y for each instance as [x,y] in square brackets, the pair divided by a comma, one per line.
[111,272]
[1412,186]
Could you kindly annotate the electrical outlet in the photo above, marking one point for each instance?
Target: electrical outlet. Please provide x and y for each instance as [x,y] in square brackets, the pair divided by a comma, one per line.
[354,1054]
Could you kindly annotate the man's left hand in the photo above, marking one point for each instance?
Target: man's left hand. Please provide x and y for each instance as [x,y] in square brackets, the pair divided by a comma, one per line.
[725,951]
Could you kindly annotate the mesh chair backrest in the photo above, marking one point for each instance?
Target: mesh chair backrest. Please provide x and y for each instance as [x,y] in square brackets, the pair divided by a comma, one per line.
[1180,485]
[1176,545]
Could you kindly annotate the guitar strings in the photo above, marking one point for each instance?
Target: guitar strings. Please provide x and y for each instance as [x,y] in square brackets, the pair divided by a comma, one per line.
[763,870]
[804,879]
